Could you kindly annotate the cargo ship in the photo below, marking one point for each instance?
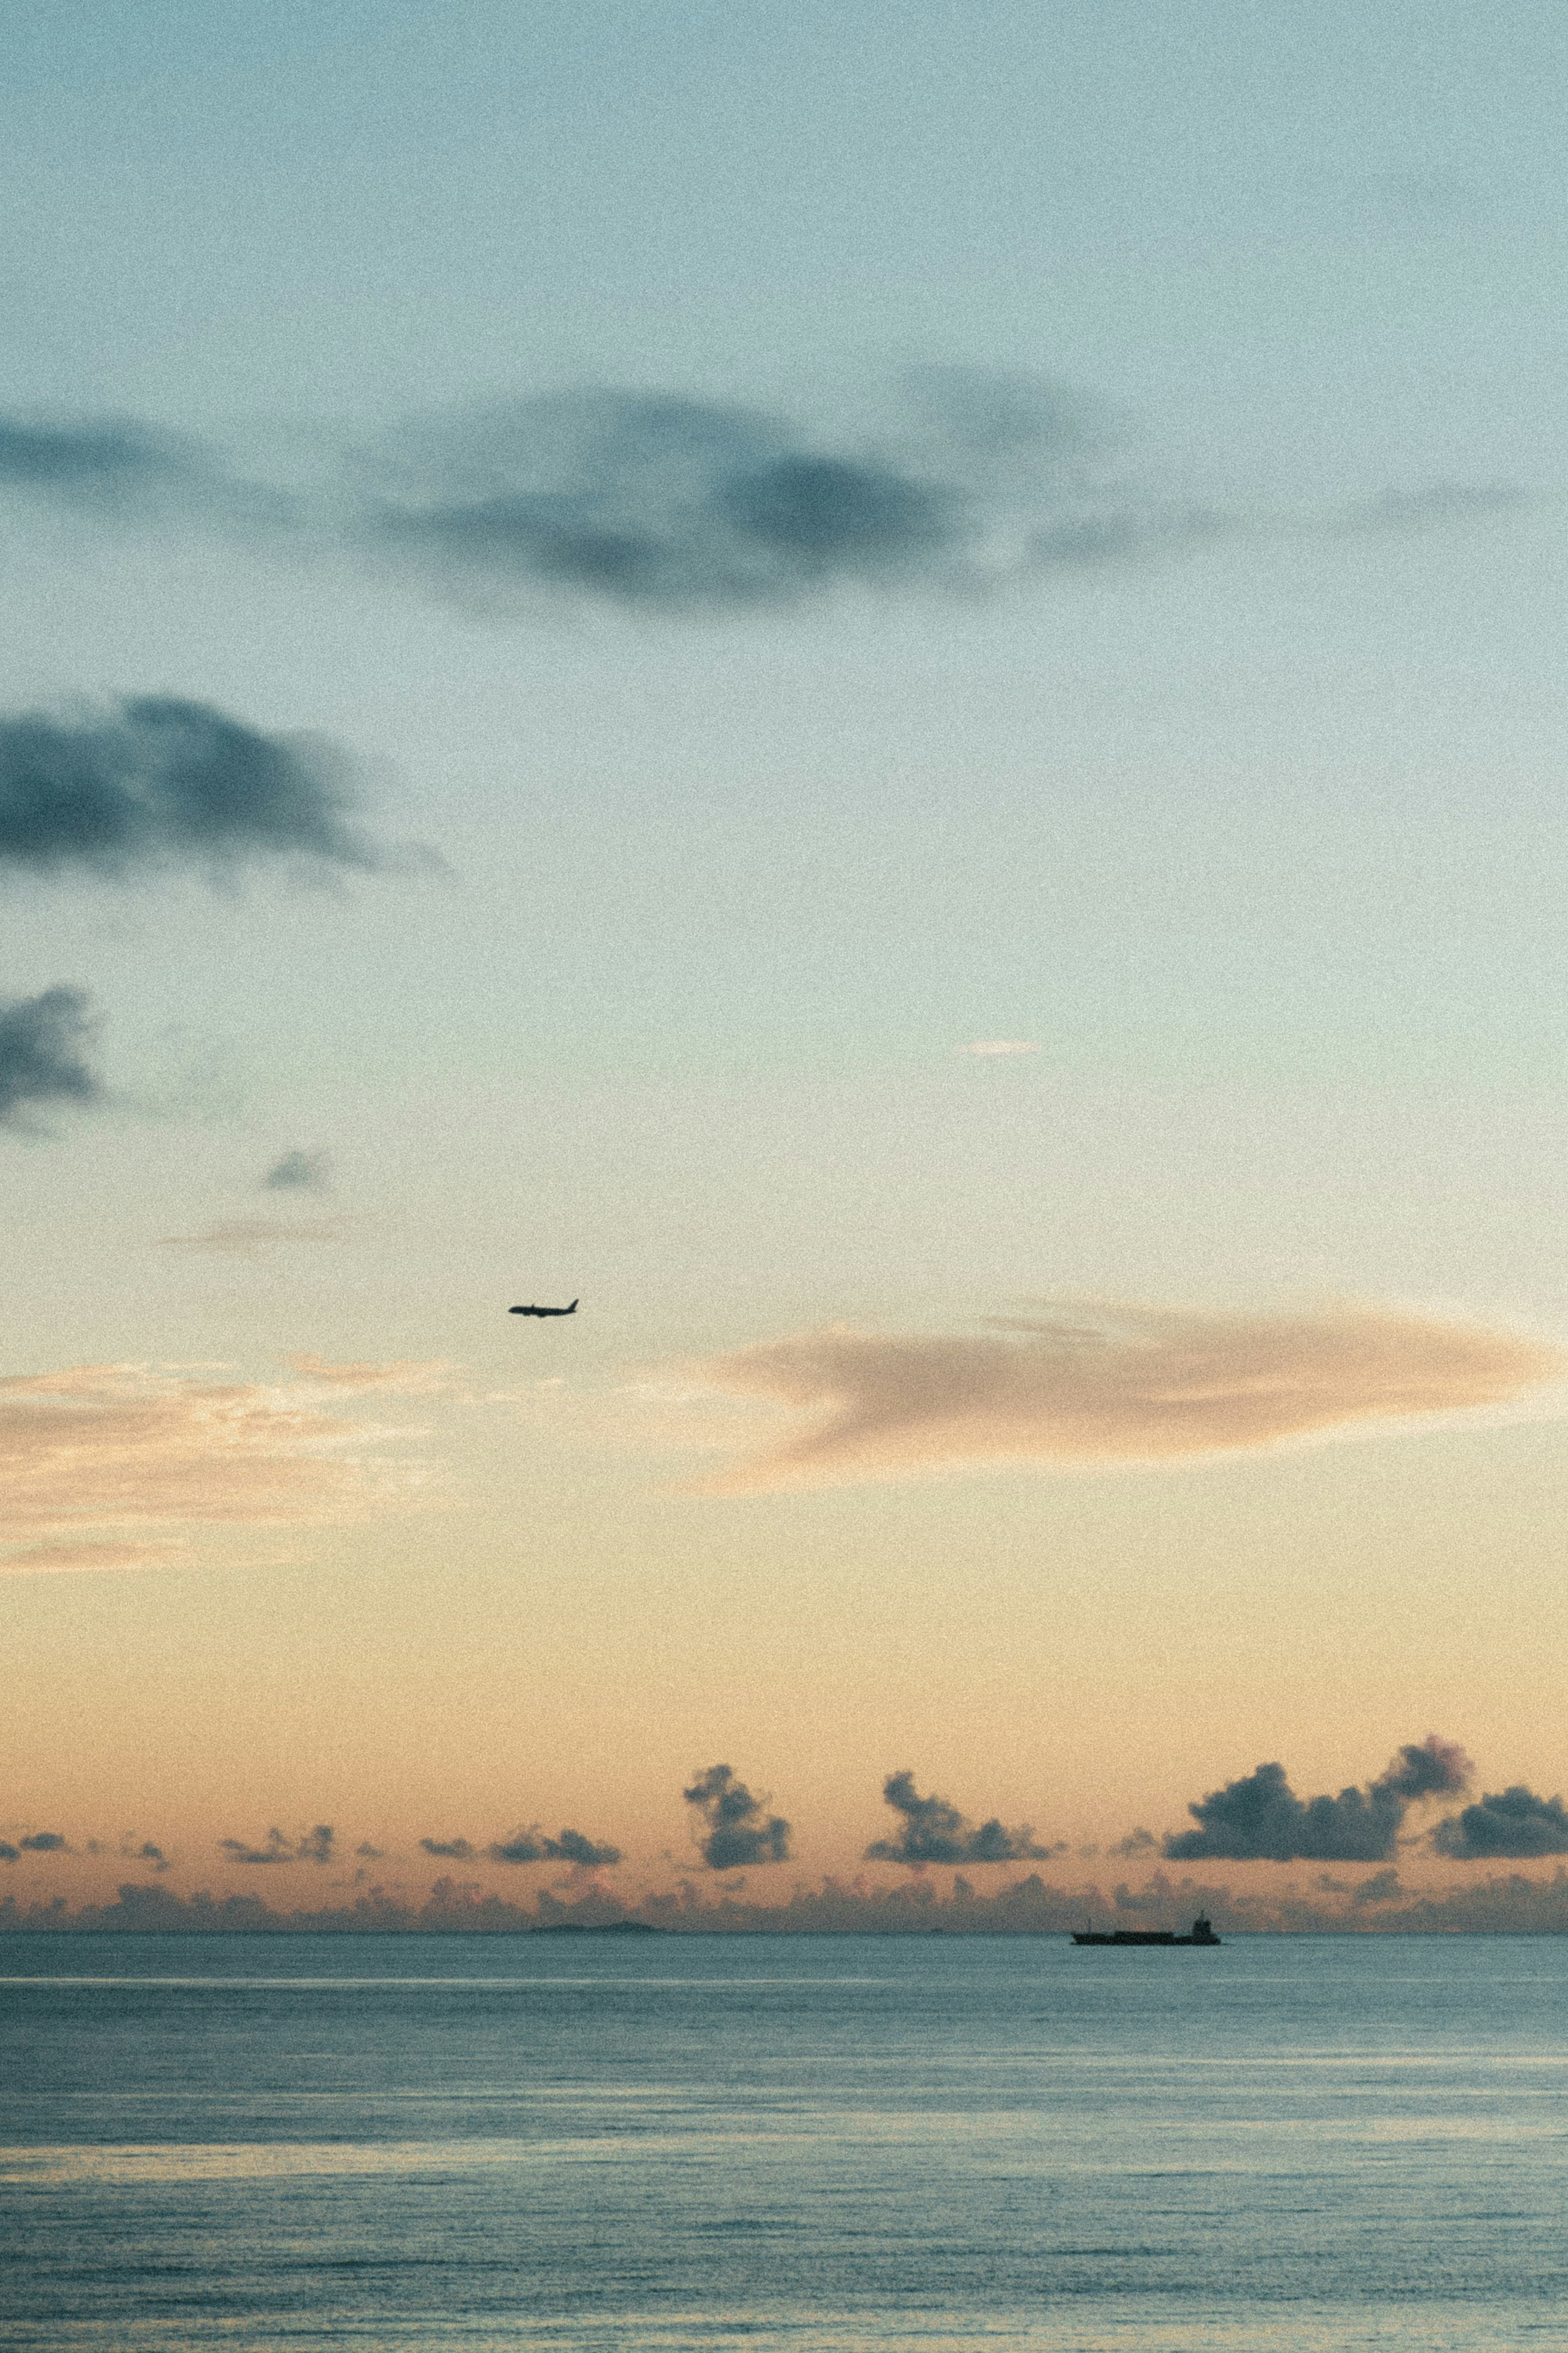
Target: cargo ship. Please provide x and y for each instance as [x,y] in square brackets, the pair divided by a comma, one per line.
[1202,1934]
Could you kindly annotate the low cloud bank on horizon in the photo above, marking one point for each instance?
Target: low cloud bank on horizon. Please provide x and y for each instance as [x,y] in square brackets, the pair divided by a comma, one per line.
[1029,1906]
[1106,1384]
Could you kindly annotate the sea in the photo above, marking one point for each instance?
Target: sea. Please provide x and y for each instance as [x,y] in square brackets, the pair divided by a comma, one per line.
[901,2143]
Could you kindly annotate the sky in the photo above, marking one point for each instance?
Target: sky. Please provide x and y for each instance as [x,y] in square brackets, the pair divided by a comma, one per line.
[881,688]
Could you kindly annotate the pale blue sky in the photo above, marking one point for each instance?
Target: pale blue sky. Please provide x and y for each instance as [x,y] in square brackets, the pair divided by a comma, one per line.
[1253,828]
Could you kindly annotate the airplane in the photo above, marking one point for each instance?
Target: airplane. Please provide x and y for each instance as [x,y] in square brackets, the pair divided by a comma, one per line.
[543,1311]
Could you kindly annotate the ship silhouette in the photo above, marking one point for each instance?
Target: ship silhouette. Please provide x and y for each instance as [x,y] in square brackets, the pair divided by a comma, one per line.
[1202,1934]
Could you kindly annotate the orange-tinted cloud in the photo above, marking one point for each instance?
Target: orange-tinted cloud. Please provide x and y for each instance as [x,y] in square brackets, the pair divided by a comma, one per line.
[408,1375]
[1107,1385]
[92,1457]
[254,1237]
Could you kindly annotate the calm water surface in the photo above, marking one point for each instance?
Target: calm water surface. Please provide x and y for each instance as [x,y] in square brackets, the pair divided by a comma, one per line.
[416,2144]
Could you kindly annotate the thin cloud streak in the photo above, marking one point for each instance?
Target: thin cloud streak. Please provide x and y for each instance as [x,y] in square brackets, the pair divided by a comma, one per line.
[1107,1385]
[254,1237]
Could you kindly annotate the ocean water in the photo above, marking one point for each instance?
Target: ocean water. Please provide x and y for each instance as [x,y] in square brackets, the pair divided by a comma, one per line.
[418,2143]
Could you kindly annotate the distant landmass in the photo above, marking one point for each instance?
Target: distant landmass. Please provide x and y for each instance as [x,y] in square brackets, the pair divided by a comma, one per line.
[599,1928]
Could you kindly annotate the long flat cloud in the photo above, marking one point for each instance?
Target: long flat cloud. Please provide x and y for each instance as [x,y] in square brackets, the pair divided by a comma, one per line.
[105,1452]
[157,781]
[664,501]
[1107,1385]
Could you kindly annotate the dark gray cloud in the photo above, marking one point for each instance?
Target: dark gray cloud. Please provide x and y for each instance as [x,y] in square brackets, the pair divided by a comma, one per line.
[1137,1841]
[1260,1819]
[1515,1822]
[315,1845]
[159,781]
[9,1853]
[660,501]
[299,1172]
[934,1831]
[740,1830]
[455,1849]
[108,464]
[44,1042]
[529,1846]
[666,502]
[42,1842]
[369,1853]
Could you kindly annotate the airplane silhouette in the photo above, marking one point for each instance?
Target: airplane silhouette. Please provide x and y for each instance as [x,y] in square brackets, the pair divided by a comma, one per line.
[543,1311]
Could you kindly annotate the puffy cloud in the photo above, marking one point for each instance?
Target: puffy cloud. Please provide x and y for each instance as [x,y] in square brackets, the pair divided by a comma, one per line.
[315,1845]
[1259,1816]
[43,1842]
[1428,1769]
[454,1850]
[934,1831]
[1107,1384]
[156,781]
[299,1172]
[9,1853]
[740,1832]
[103,1448]
[1515,1823]
[528,1846]
[44,1042]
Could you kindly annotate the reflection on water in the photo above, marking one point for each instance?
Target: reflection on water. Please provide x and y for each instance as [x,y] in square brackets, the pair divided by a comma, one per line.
[418,2144]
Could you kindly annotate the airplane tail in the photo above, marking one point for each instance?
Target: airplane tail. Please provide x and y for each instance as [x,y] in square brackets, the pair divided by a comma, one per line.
[573,1309]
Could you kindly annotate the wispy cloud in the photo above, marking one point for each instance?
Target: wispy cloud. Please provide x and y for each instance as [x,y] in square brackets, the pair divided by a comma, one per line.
[45,1045]
[92,1456]
[1105,1385]
[109,1554]
[1259,1817]
[254,1237]
[299,1172]
[405,1375]
[106,465]
[961,482]
[930,1831]
[572,1846]
[317,1845]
